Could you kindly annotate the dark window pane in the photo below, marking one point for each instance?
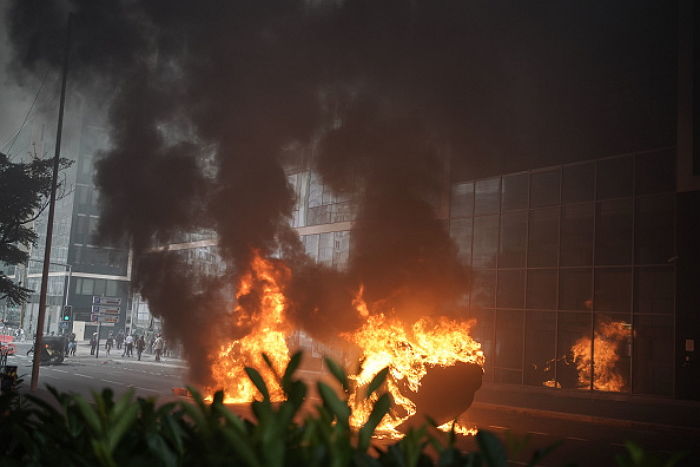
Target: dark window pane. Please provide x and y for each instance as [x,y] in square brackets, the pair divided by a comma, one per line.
[311,246]
[511,288]
[99,287]
[508,376]
[515,191]
[462,202]
[614,232]
[543,238]
[613,290]
[578,183]
[545,188]
[485,241]
[319,215]
[575,291]
[656,172]
[654,241]
[325,248]
[577,235]
[483,332]
[539,347]
[513,234]
[483,293]
[653,355]
[488,196]
[574,350]
[615,178]
[611,352]
[509,339]
[461,233]
[542,289]
[655,290]
[112,288]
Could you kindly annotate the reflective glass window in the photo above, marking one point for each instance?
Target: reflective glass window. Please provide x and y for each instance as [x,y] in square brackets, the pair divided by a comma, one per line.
[540,340]
[515,192]
[543,238]
[511,288]
[462,200]
[545,188]
[485,241]
[577,235]
[488,196]
[542,289]
[615,177]
[613,232]
[578,183]
[513,239]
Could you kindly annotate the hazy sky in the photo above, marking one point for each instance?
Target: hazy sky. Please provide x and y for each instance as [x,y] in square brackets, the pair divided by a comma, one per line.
[15,100]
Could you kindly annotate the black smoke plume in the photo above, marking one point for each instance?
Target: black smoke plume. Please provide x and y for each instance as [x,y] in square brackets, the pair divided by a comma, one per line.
[206,97]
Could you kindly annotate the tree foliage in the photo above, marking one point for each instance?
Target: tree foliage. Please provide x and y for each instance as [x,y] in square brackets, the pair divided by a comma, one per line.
[24,192]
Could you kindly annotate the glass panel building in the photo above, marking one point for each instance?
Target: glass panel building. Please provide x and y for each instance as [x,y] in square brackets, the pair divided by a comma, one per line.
[574,272]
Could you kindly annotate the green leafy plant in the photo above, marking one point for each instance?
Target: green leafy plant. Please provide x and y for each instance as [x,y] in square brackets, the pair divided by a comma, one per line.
[72,431]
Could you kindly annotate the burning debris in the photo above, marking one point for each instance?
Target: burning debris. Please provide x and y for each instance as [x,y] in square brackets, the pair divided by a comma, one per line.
[430,361]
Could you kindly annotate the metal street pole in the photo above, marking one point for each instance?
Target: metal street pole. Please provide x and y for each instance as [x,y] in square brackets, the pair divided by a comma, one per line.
[39,341]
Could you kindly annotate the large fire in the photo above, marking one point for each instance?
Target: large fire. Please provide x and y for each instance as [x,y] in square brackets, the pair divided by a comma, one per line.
[408,350]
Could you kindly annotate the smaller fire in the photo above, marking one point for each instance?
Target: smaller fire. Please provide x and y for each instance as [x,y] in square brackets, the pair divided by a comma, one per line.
[609,338]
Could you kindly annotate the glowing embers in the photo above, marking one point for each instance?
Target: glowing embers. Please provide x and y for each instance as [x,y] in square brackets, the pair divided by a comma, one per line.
[260,313]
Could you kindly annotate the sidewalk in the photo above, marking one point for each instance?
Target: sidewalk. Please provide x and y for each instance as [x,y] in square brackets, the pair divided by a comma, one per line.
[83,351]
[644,412]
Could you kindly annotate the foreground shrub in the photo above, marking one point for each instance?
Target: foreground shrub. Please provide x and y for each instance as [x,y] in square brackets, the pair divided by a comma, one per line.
[138,432]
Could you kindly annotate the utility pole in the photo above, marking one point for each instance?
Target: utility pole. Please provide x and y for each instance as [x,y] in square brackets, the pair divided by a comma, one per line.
[39,341]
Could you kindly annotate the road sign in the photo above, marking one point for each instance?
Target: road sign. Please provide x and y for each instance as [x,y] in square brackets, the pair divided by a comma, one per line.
[104,319]
[97,300]
[106,309]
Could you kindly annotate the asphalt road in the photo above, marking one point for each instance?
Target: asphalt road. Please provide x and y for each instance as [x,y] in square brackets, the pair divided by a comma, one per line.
[583,443]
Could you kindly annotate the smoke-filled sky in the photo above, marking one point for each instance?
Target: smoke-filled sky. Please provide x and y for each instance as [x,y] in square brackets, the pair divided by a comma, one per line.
[379,91]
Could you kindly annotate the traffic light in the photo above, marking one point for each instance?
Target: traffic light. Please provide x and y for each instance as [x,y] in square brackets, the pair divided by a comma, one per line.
[67,312]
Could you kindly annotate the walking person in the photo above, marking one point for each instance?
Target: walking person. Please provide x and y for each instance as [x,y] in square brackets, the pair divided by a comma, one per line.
[109,343]
[93,343]
[73,345]
[158,346]
[120,340]
[140,346]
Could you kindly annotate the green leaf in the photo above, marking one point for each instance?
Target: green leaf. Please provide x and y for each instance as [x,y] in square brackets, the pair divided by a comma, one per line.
[339,408]
[88,414]
[292,366]
[380,409]
[258,381]
[491,448]
[338,373]
[377,381]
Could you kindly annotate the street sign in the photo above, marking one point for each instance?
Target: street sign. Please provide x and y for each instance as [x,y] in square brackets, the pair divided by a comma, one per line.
[106,309]
[97,300]
[104,319]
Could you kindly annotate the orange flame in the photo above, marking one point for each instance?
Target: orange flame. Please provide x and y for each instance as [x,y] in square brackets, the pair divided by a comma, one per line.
[268,334]
[608,339]
[408,351]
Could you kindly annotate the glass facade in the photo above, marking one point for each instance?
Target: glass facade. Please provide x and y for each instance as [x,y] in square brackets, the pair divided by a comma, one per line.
[573,273]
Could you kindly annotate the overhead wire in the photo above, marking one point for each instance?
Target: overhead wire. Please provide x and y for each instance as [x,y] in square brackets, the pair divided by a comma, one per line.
[11,141]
